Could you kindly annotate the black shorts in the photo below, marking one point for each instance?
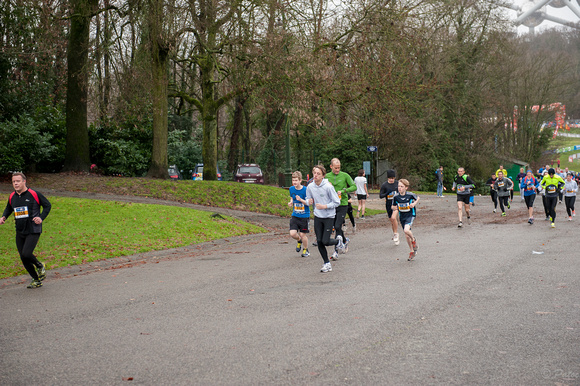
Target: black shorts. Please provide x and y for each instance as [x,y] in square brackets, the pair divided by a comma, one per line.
[299,224]
[406,219]
[389,208]
[463,198]
[361,197]
[530,200]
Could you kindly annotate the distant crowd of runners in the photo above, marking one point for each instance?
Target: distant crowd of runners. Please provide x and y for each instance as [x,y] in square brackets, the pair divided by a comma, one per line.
[329,196]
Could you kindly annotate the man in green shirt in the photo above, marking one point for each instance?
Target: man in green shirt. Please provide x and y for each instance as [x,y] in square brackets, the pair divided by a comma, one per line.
[343,184]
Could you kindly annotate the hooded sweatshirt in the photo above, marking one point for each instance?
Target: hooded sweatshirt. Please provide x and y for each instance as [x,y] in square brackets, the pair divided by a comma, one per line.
[323,194]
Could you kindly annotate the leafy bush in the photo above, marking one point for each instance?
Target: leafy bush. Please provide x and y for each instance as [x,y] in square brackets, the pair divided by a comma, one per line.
[122,150]
[27,143]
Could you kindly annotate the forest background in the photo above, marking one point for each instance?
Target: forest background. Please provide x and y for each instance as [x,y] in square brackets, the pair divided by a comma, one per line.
[135,85]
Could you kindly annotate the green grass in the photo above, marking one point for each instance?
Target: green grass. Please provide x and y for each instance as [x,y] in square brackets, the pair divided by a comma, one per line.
[80,231]
[561,142]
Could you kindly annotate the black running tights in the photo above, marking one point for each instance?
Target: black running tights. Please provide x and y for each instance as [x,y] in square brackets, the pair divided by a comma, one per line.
[569,200]
[323,230]
[25,245]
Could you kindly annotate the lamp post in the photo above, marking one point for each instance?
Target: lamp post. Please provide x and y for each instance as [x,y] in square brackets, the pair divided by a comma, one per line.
[288,170]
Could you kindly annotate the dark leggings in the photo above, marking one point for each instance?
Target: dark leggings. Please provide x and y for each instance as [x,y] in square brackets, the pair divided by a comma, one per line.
[545,203]
[530,200]
[494,198]
[350,214]
[569,200]
[551,203]
[25,245]
[323,230]
[503,201]
[339,219]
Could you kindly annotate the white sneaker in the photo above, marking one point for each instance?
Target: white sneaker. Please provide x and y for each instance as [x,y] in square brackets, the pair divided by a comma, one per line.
[334,256]
[340,245]
[326,268]
[396,238]
[345,249]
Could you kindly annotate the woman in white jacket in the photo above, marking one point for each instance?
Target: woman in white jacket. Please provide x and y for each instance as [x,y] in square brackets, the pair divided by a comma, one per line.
[324,199]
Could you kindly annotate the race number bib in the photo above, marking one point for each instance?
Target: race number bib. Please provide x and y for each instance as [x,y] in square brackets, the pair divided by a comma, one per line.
[404,207]
[390,196]
[551,189]
[21,212]
[500,184]
[298,207]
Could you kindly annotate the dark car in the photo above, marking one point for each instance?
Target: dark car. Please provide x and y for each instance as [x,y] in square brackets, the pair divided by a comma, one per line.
[174,173]
[250,173]
[197,174]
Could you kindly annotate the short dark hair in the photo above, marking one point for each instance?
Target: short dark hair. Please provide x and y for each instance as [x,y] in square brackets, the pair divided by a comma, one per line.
[361,172]
[19,174]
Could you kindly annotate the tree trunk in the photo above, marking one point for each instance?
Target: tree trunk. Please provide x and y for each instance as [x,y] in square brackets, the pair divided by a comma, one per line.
[238,127]
[159,63]
[77,137]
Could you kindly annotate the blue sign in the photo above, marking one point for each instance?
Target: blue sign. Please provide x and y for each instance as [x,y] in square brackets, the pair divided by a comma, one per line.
[372,149]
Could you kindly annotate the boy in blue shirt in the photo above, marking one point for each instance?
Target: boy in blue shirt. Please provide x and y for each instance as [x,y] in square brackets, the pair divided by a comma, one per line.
[300,214]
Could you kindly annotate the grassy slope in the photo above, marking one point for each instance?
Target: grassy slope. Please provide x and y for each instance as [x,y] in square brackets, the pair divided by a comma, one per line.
[561,142]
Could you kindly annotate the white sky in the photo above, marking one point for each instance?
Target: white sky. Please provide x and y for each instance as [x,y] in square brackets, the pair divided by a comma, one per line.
[562,13]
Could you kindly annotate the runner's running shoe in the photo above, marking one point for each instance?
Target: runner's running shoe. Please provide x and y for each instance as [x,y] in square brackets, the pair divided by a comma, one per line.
[41,272]
[34,284]
[553,225]
[298,246]
[396,238]
[460,224]
[345,249]
[411,256]
[468,220]
[495,210]
[569,218]
[340,246]
[305,253]
[414,244]
[334,256]
[326,268]
[503,214]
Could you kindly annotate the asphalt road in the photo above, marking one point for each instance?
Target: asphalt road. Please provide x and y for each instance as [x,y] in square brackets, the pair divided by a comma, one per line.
[477,306]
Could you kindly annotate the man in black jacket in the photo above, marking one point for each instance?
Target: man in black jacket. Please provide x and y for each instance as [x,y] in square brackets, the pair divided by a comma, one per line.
[26,204]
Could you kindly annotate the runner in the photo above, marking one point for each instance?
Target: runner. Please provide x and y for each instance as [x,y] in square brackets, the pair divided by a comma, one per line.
[492,191]
[343,184]
[521,175]
[388,190]
[570,190]
[464,185]
[404,204]
[543,193]
[323,198]
[503,186]
[552,183]
[501,169]
[361,193]
[26,204]
[300,214]
[529,186]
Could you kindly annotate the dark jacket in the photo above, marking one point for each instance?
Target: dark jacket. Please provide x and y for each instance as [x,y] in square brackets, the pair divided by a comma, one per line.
[26,208]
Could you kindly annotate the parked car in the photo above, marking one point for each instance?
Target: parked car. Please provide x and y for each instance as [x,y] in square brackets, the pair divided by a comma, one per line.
[174,173]
[249,173]
[197,174]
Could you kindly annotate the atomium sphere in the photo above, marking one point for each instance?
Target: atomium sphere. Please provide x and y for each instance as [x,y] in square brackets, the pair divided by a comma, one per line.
[558,3]
[535,19]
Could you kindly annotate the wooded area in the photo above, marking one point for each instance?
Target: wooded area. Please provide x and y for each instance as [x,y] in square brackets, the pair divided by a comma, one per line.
[135,85]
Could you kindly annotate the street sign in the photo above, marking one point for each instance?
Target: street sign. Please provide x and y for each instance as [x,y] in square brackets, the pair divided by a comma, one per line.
[372,149]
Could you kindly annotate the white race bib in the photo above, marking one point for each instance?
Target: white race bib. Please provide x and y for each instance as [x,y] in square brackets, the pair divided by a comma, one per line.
[21,212]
